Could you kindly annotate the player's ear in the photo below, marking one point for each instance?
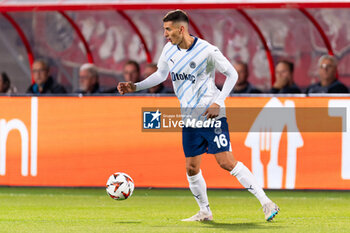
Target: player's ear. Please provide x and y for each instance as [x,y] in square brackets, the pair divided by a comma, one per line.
[182,28]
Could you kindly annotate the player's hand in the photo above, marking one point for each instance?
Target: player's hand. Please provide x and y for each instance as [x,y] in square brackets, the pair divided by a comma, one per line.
[126,87]
[213,111]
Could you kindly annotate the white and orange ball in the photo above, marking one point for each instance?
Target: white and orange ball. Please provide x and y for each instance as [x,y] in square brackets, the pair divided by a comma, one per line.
[120,186]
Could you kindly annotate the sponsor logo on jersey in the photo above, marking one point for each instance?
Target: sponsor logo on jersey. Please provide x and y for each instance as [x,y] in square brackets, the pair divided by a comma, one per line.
[193,64]
[218,130]
[183,76]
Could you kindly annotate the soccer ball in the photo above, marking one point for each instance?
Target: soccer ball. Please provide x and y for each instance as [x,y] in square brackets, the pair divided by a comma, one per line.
[120,186]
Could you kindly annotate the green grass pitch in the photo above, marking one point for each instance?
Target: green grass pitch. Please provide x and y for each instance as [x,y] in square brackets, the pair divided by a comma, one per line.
[152,210]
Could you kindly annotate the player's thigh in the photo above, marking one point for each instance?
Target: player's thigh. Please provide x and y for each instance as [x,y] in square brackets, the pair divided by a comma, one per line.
[226,160]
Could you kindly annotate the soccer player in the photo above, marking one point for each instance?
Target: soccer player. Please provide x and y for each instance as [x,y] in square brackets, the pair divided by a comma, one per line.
[192,62]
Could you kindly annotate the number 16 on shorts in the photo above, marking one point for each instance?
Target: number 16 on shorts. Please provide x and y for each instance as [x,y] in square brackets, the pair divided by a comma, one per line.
[221,140]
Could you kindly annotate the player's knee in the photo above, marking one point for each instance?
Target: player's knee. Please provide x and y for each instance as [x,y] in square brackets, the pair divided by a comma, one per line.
[192,169]
[225,164]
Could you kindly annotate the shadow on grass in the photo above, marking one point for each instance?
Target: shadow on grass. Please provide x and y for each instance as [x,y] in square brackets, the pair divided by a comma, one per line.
[240,226]
[127,222]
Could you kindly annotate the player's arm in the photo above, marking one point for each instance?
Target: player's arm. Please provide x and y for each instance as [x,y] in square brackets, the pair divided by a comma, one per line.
[153,80]
[231,79]
[225,67]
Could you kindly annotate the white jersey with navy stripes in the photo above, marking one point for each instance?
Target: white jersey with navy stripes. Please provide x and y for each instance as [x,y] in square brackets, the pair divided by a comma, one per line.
[192,73]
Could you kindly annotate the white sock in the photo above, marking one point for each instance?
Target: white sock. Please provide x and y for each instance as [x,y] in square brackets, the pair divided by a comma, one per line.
[198,188]
[247,179]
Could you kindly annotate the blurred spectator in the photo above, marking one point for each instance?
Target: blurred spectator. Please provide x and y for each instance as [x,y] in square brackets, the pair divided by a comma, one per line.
[327,70]
[150,69]
[242,85]
[284,78]
[88,79]
[5,84]
[131,72]
[43,83]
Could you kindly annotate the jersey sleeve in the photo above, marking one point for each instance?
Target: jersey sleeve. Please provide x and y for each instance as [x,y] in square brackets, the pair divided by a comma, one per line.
[220,61]
[162,61]
[224,66]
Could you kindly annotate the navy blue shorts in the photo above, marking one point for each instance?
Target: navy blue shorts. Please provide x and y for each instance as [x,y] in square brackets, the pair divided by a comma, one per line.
[196,141]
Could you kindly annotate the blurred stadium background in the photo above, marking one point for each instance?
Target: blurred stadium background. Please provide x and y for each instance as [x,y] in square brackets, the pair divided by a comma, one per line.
[74,141]
[256,32]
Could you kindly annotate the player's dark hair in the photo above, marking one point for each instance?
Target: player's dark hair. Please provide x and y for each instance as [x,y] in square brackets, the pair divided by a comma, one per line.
[134,63]
[288,63]
[5,82]
[176,16]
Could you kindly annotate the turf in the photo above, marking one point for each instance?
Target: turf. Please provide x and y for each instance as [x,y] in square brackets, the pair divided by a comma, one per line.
[150,210]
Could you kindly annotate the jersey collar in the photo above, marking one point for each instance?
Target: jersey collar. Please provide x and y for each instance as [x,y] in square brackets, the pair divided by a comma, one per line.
[193,44]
